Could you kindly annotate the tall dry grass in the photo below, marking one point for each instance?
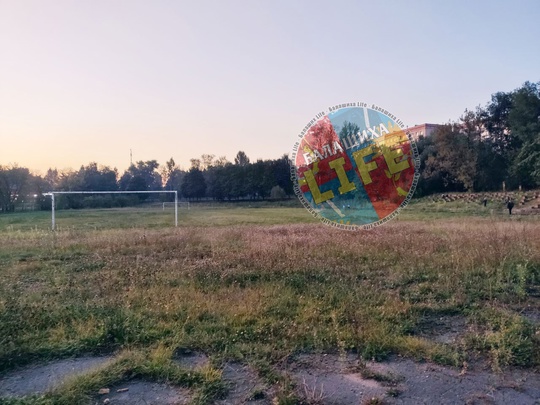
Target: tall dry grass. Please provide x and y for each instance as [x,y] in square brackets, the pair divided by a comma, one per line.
[261,293]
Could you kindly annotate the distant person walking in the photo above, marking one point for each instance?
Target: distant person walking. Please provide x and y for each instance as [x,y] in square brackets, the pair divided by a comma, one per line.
[484,201]
[510,205]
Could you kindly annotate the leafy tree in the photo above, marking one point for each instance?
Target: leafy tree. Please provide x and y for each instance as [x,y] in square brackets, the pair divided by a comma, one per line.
[241,159]
[196,164]
[207,160]
[236,181]
[490,165]
[220,161]
[194,184]
[512,123]
[495,121]
[167,171]
[281,170]
[277,193]
[69,181]
[92,178]
[491,168]
[40,186]
[14,181]
[52,178]
[451,160]
[526,167]
[427,183]
[524,116]
[259,179]
[172,177]
[524,122]
[217,182]
[142,176]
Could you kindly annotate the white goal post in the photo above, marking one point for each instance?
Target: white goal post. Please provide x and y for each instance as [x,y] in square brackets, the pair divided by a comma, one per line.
[53,193]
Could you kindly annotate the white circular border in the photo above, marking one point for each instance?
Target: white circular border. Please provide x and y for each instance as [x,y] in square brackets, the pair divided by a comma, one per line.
[294,169]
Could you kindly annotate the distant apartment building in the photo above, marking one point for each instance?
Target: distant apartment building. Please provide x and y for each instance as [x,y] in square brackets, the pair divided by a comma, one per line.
[424,130]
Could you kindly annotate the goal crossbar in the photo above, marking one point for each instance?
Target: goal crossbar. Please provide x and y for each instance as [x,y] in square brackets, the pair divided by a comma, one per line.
[53,193]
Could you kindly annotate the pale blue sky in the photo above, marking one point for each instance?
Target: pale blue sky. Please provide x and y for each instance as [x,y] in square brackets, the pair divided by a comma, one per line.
[87,80]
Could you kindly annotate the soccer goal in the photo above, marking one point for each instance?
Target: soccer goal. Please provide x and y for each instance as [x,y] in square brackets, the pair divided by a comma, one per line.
[180,204]
[52,194]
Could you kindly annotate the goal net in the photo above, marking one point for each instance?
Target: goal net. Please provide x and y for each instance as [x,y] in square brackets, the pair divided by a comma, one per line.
[182,205]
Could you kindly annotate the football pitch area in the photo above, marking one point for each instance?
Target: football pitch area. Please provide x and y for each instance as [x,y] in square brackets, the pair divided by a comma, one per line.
[442,283]
[153,216]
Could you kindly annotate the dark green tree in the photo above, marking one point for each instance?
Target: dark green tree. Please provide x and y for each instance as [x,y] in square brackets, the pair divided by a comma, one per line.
[452,159]
[241,159]
[281,170]
[146,174]
[94,178]
[14,182]
[260,179]
[495,121]
[524,122]
[194,184]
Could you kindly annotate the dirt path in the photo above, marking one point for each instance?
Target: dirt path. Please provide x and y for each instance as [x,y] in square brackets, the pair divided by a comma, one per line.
[320,379]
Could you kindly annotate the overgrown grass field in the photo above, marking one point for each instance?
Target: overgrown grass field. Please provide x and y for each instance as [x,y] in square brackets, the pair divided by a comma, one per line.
[259,285]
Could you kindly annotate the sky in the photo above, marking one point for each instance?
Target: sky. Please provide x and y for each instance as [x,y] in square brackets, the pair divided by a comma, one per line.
[86,81]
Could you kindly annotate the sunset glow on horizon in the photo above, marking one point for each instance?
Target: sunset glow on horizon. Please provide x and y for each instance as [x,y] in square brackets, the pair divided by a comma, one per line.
[90,81]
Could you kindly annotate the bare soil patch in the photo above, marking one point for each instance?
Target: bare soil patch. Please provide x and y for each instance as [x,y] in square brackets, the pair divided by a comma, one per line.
[40,378]
[191,360]
[332,379]
[245,386]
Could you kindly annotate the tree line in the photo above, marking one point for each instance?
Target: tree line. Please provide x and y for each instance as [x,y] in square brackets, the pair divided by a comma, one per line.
[486,147]
[207,178]
[497,143]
